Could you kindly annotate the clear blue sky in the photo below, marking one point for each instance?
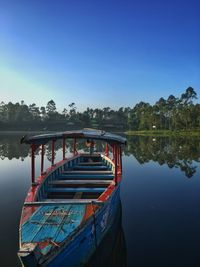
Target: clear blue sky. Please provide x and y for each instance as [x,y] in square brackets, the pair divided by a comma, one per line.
[98,53]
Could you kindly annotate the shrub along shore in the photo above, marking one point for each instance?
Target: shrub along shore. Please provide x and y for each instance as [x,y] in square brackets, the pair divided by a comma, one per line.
[186,133]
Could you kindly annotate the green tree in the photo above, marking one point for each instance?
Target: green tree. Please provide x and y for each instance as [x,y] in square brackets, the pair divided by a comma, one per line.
[34,111]
[188,97]
[51,107]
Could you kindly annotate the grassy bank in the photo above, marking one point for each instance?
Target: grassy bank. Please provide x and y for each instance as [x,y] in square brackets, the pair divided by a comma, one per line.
[187,133]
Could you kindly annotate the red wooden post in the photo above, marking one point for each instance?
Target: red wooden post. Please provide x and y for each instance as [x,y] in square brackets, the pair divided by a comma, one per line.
[33,163]
[107,150]
[115,161]
[42,159]
[120,160]
[117,152]
[53,152]
[74,146]
[113,151]
[64,148]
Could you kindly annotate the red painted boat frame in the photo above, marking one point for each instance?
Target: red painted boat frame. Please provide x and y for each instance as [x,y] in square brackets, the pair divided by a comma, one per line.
[116,160]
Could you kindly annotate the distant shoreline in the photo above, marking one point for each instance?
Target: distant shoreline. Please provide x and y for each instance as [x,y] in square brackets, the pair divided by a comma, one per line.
[187,133]
[21,132]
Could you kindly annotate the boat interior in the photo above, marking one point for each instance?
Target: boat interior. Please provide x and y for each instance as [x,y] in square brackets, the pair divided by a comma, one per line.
[84,177]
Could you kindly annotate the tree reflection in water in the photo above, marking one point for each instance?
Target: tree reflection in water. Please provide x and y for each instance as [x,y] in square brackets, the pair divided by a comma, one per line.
[176,152]
[179,152]
[10,148]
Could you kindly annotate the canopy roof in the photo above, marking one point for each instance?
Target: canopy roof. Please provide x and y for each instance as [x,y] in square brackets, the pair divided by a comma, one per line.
[85,133]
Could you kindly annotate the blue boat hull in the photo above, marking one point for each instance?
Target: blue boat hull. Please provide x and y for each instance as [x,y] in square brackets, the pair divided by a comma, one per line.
[78,251]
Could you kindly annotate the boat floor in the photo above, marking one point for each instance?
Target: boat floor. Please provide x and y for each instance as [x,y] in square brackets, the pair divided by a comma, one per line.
[51,224]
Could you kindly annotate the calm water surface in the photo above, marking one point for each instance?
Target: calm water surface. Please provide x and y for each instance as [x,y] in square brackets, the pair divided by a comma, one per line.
[160,195]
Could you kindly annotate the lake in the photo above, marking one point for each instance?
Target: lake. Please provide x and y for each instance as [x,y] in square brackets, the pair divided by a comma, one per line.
[160,195]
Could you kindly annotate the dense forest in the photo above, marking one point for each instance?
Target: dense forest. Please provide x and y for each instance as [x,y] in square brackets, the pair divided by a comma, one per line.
[173,113]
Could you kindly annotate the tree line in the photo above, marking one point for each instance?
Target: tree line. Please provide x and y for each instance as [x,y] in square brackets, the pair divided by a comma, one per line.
[173,113]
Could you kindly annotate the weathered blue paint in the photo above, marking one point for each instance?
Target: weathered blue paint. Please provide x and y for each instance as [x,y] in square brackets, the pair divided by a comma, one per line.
[33,225]
[52,222]
[70,222]
[51,225]
[79,189]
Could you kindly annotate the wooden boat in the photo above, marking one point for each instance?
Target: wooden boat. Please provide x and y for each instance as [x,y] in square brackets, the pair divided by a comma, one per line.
[71,205]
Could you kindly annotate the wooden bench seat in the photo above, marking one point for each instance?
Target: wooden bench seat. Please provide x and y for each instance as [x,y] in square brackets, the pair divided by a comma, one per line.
[87,172]
[91,163]
[79,189]
[91,168]
[85,176]
[66,182]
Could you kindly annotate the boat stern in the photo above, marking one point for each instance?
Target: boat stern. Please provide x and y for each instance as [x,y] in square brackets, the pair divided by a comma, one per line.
[29,255]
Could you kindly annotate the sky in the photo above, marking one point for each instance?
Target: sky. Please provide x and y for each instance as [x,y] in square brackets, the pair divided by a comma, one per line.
[98,53]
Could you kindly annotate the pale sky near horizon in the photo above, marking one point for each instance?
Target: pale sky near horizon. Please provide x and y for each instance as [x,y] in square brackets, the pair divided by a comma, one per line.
[98,53]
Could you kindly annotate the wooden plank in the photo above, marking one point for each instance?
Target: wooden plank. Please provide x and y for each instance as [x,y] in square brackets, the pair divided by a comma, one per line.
[92,168]
[52,225]
[85,176]
[91,163]
[80,189]
[70,222]
[63,202]
[31,227]
[87,172]
[90,155]
[66,182]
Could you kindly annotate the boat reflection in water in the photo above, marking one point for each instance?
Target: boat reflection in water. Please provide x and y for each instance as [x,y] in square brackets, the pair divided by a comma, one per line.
[112,250]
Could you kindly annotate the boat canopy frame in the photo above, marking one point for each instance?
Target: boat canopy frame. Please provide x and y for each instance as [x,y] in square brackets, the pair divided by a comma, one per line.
[42,139]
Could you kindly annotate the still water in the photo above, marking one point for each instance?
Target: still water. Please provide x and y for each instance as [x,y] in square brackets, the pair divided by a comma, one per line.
[159,223]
